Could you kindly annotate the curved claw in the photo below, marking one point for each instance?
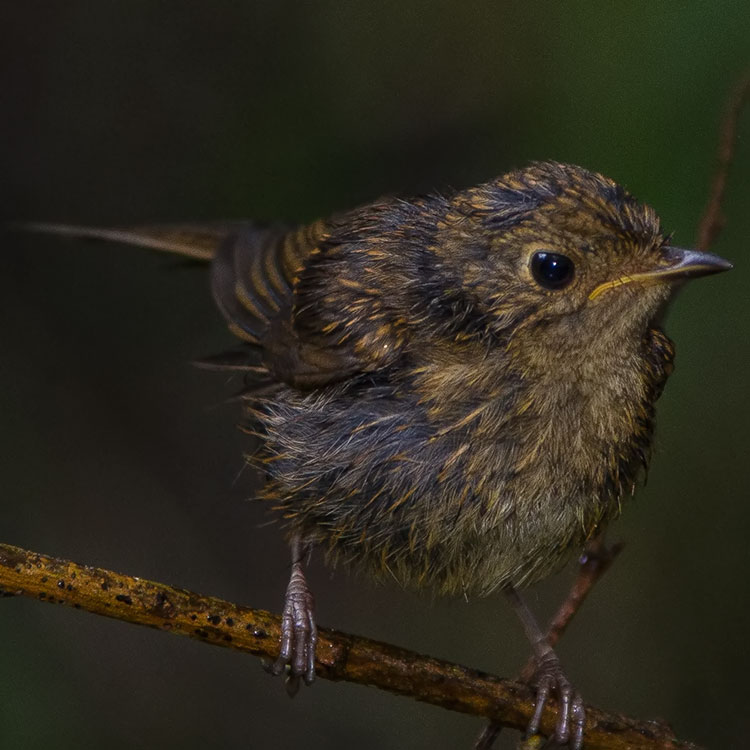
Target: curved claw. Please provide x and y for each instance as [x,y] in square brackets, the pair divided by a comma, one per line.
[571,716]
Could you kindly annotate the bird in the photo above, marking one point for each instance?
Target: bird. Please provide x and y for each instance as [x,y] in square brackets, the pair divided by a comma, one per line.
[454,391]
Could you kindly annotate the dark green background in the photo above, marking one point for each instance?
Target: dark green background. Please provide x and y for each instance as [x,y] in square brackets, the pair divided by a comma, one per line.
[115,452]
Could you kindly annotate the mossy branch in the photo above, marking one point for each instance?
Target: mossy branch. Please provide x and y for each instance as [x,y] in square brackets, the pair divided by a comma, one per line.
[340,656]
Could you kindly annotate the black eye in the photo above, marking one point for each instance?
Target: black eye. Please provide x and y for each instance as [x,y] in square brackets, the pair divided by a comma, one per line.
[552,270]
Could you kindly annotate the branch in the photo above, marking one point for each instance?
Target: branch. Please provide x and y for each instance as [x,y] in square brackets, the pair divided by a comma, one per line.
[340,656]
[713,220]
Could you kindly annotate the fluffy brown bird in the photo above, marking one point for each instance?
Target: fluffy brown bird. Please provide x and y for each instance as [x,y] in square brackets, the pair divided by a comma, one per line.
[453,391]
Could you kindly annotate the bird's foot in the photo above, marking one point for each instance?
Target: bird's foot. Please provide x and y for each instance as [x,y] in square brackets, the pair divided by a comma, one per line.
[549,678]
[299,634]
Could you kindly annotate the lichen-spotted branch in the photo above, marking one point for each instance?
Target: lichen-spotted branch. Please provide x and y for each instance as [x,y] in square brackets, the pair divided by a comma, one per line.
[340,656]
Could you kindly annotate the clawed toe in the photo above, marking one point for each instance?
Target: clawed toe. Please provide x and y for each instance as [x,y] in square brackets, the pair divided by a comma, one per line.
[299,634]
[299,637]
[550,678]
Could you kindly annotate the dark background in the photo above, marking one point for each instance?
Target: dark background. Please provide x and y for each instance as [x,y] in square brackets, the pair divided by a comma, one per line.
[115,452]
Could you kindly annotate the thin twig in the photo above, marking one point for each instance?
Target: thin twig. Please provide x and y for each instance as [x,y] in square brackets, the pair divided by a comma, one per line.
[593,564]
[340,656]
[712,221]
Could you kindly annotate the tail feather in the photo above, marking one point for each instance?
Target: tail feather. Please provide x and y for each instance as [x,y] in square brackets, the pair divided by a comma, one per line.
[248,282]
[197,241]
[254,266]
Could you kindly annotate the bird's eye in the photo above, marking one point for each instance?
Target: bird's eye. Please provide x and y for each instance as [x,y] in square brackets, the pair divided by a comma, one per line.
[552,270]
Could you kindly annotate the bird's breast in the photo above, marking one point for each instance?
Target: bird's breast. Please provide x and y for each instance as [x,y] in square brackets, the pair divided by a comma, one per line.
[463,493]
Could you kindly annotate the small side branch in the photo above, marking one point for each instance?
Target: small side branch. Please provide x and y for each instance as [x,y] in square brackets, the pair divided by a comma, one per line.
[713,219]
[340,656]
[594,563]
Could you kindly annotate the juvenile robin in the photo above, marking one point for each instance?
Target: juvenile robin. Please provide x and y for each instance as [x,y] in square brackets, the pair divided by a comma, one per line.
[453,391]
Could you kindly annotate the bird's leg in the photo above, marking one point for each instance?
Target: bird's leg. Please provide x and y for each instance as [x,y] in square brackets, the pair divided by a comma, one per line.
[299,634]
[549,676]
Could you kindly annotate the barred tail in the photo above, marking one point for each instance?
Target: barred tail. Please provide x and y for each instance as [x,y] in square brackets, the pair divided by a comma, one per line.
[253,266]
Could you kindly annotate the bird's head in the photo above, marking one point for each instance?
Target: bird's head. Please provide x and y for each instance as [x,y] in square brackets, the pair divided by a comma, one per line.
[566,256]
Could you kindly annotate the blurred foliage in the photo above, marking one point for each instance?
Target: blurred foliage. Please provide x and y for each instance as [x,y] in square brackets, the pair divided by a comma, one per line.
[111,450]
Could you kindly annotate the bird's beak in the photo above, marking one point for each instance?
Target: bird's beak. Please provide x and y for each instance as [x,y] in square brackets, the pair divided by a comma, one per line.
[677,264]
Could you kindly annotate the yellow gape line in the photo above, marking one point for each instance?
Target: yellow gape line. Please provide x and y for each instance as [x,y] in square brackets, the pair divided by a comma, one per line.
[611,285]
